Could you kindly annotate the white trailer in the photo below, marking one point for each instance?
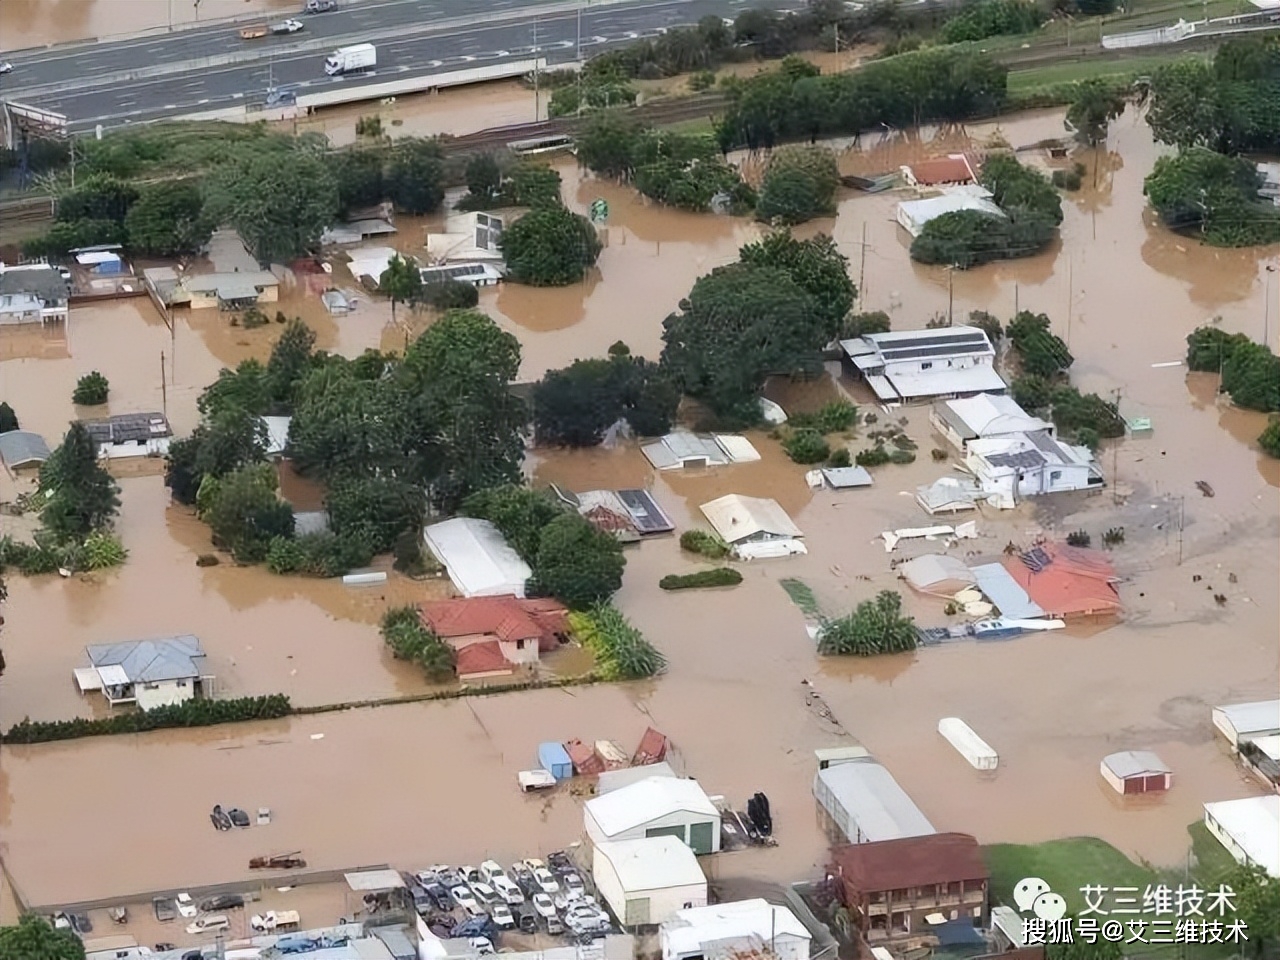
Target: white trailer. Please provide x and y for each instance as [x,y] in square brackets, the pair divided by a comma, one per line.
[360,56]
[971,746]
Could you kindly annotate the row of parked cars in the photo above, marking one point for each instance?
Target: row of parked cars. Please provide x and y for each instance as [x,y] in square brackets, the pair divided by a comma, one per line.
[530,896]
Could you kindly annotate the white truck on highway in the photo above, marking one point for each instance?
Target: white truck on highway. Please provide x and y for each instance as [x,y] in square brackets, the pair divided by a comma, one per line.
[361,56]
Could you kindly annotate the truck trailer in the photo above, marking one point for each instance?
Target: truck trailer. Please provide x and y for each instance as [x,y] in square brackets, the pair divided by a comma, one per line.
[353,59]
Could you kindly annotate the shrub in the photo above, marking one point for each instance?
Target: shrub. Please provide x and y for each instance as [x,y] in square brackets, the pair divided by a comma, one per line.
[621,652]
[102,550]
[1042,352]
[873,456]
[806,446]
[840,458]
[938,455]
[91,390]
[449,295]
[403,632]
[702,80]
[703,543]
[875,626]
[1113,537]
[370,126]
[8,419]
[902,456]
[1079,538]
[1269,439]
[860,324]
[834,417]
[192,713]
[719,577]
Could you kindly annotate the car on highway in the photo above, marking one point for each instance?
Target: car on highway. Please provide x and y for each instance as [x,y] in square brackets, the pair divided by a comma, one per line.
[5,67]
[287,26]
[320,6]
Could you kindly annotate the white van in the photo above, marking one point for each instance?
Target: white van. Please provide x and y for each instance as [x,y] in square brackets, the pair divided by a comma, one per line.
[213,924]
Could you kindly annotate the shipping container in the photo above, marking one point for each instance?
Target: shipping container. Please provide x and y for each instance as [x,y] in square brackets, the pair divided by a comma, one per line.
[971,746]
[611,755]
[553,758]
[585,761]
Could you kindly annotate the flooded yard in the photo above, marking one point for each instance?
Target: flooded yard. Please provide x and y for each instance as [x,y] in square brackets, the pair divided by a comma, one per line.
[420,783]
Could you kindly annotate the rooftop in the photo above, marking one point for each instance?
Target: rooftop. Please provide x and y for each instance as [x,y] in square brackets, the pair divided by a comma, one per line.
[21,448]
[150,661]
[647,800]
[1025,451]
[611,780]
[129,428]
[1255,717]
[914,214]
[1135,763]
[1064,580]
[910,862]
[478,659]
[508,618]
[694,926]
[988,415]
[868,792]
[478,559]
[652,863]
[1254,824]
[680,447]
[953,168]
[38,279]
[736,517]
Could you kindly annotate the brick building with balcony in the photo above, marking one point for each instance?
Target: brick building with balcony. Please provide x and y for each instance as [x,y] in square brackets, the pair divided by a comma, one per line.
[912,887]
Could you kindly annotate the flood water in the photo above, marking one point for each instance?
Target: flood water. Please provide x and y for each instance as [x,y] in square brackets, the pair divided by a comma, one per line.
[420,783]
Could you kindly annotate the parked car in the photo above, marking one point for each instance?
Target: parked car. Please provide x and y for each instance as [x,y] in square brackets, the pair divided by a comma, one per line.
[475,910]
[426,877]
[507,889]
[490,869]
[449,877]
[523,877]
[210,924]
[546,880]
[470,874]
[526,920]
[484,893]
[482,946]
[228,901]
[422,901]
[573,885]
[439,896]
[559,862]
[238,817]
[582,917]
[476,927]
[543,906]
[501,914]
[554,926]
[463,896]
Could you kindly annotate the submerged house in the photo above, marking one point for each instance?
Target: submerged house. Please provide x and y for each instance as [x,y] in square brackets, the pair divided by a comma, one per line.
[150,673]
[986,416]
[627,515]
[521,629]
[467,238]
[682,450]
[1029,465]
[914,365]
[479,561]
[230,291]
[727,930]
[22,449]
[863,803]
[754,526]
[131,435]
[1065,581]
[33,293]
[912,215]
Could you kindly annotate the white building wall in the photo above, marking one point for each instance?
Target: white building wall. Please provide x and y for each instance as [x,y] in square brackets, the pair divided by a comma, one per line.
[165,694]
[514,654]
[1225,838]
[681,818]
[901,367]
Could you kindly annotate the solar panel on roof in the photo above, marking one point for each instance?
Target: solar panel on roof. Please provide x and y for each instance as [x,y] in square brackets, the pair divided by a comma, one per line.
[1036,559]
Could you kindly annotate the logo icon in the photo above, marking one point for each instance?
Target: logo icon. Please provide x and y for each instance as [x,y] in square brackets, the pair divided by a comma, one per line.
[1033,895]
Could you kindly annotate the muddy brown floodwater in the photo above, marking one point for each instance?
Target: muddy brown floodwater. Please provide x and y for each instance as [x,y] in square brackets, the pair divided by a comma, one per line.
[416,784]
[35,23]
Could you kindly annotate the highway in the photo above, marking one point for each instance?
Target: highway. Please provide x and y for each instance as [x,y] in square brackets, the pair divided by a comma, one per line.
[204,69]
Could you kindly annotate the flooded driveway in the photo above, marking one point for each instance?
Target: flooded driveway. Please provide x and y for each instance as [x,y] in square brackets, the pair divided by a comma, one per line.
[419,783]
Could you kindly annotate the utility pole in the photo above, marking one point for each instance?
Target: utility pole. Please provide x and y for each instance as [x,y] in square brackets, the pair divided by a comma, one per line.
[537,110]
[862,266]
[951,273]
[1115,459]
[1070,264]
[164,390]
[1182,518]
[1016,311]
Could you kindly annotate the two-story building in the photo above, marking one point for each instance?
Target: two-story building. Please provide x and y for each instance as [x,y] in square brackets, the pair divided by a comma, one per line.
[33,293]
[903,888]
[909,366]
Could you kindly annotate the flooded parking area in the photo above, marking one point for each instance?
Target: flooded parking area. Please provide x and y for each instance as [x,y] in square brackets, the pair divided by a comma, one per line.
[420,783]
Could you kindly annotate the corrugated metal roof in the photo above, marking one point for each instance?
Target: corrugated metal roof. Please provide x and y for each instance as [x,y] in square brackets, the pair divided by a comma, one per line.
[736,517]
[694,926]
[128,428]
[646,800]
[989,414]
[998,586]
[1135,763]
[477,558]
[870,795]
[1246,718]
[19,448]
[645,512]
[612,780]
[1254,824]
[150,661]
[654,863]
[371,881]
[843,478]
[946,381]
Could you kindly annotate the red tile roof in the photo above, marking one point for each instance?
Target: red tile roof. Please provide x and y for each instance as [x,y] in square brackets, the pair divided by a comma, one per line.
[508,618]
[477,659]
[1078,582]
[909,862]
[950,169]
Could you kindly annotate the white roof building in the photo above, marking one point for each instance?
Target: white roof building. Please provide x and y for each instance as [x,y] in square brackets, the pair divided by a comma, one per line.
[150,673]
[467,238]
[756,526]
[1249,829]
[728,929]
[937,574]
[32,293]
[984,416]
[277,431]
[866,804]
[649,880]
[371,262]
[914,214]
[655,806]
[682,450]
[1030,464]
[910,365]
[1242,722]
[479,561]
[611,780]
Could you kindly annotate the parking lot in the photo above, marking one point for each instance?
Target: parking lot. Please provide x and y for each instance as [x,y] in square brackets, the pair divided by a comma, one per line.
[530,905]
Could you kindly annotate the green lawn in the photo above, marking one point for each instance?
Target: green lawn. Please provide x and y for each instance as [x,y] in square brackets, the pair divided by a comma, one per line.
[1211,858]
[1052,74]
[1066,865]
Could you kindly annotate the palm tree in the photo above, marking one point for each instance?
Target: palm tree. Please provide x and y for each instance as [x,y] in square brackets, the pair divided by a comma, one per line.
[401,281]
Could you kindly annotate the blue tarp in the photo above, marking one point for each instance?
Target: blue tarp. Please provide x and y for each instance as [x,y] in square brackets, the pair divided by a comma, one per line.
[554,758]
[956,933]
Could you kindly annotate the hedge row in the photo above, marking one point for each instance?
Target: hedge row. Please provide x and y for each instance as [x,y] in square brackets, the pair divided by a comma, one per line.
[193,713]
[719,577]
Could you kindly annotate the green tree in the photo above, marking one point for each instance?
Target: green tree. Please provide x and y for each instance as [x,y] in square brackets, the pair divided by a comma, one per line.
[1269,439]
[876,626]
[550,247]
[806,445]
[98,197]
[576,563]
[245,514]
[992,18]
[91,390]
[989,324]
[1257,906]
[289,361]
[739,325]
[1251,375]
[1216,195]
[459,375]
[815,265]
[415,176]
[374,510]
[358,175]
[279,202]
[861,324]
[519,513]
[606,144]
[576,405]
[1031,393]
[8,419]
[230,439]
[80,496]
[401,281]
[168,220]
[533,185]
[1041,352]
[404,633]
[449,295]
[1183,110]
[248,387]
[799,184]
[484,177]
[1096,103]
[34,938]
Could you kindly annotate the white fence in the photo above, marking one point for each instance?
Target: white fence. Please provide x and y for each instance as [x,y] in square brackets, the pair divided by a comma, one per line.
[1149,38]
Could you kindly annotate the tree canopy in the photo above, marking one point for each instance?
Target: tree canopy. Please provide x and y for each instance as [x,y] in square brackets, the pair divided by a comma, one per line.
[876,626]
[34,938]
[740,324]
[815,265]
[401,282]
[81,496]
[168,220]
[244,512]
[574,406]
[1213,196]
[414,177]
[1096,103]
[576,563]
[992,18]
[550,247]
[799,184]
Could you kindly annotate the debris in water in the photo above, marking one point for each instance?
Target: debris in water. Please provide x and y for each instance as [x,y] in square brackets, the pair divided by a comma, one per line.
[1220,599]
[317,736]
[1204,488]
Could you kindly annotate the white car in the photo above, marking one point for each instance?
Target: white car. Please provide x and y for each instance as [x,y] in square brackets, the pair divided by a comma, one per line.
[290,26]
[507,889]
[490,869]
[573,885]
[469,874]
[582,917]
[5,67]
[501,914]
[463,896]
[482,945]
[543,906]
[546,880]
[186,906]
[484,893]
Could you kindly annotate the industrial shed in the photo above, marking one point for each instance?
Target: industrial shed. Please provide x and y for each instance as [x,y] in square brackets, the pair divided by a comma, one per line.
[1249,829]
[612,780]
[727,930]
[1136,771]
[648,881]
[655,807]
[477,558]
[866,804]
[1243,722]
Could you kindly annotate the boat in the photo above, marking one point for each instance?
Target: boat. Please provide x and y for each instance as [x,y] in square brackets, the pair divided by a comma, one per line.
[996,628]
[281,861]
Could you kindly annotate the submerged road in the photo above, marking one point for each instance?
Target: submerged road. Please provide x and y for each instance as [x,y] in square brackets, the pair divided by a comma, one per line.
[204,69]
